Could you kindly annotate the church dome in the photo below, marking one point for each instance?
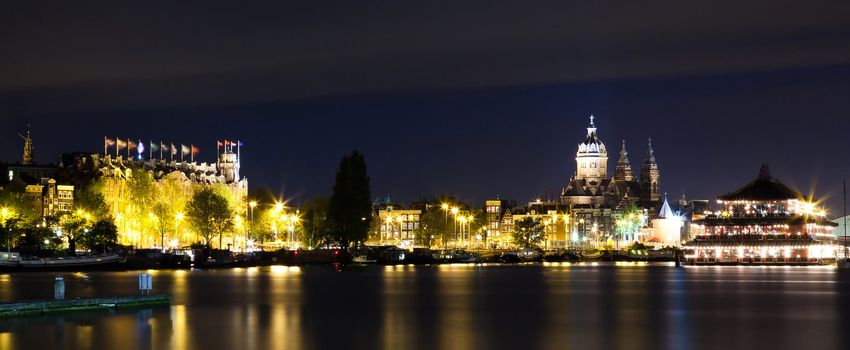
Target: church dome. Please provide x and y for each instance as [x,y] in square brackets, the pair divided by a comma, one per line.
[592,145]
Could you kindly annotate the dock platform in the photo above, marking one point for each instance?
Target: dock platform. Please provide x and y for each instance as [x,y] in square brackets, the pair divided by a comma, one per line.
[74,305]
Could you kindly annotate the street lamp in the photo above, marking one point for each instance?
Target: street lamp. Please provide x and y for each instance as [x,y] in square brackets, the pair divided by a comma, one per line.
[251,206]
[399,220]
[445,208]
[387,229]
[454,211]
[462,220]
[469,220]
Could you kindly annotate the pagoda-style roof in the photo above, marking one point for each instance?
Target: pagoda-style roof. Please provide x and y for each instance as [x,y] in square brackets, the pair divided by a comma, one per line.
[763,188]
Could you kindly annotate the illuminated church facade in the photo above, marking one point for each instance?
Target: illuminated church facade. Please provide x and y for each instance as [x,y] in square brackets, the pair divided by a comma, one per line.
[596,200]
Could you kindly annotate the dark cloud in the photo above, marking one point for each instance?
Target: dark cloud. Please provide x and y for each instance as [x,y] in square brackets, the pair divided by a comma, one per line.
[107,54]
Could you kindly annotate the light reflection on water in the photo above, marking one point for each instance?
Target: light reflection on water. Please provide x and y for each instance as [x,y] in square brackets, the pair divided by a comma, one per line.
[458,306]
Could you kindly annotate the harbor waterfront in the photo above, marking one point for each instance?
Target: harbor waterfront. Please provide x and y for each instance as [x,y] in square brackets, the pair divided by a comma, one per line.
[457,306]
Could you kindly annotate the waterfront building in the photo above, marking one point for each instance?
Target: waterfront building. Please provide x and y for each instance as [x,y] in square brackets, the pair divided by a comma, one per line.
[552,215]
[52,199]
[666,227]
[174,181]
[691,212]
[764,221]
[596,200]
[398,226]
[38,183]
[499,225]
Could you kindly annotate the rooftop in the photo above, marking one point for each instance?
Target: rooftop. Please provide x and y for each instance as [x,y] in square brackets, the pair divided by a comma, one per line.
[763,188]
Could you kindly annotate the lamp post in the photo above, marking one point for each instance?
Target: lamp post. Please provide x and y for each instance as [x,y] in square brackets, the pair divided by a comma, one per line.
[399,219]
[454,211]
[445,208]
[251,206]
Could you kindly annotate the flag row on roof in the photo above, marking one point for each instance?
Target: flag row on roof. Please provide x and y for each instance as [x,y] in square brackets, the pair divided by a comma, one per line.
[160,150]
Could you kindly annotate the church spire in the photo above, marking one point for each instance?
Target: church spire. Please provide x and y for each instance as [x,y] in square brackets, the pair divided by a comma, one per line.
[650,154]
[650,177]
[623,172]
[27,157]
[592,128]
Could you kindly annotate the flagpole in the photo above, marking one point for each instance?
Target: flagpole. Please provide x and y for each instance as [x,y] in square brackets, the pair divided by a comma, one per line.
[104,146]
[238,151]
[181,153]
[192,152]
[128,148]
[117,141]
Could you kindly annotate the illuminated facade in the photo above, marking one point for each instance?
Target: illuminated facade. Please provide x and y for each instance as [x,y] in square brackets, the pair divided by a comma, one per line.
[764,222]
[173,181]
[398,226]
[52,199]
[595,200]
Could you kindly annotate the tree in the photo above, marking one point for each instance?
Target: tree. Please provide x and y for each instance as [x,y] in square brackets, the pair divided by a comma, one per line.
[164,218]
[432,225]
[528,232]
[209,214]
[350,209]
[315,221]
[140,196]
[73,225]
[100,236]
[89,198]
[33,239]
[16,204]
[8,230]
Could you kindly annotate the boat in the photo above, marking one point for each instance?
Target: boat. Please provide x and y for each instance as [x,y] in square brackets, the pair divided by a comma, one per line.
[89,262]
[10,260]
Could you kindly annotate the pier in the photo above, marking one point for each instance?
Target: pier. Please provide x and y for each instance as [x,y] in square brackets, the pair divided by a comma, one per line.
[61,306]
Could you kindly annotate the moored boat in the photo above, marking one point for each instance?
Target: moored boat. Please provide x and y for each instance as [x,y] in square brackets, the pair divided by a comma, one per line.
[76,263]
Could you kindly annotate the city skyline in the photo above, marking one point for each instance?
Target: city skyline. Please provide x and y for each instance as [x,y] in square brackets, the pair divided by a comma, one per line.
[385,167]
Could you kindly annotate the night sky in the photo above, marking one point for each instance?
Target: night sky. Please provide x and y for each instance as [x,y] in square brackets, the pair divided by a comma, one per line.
[473,98]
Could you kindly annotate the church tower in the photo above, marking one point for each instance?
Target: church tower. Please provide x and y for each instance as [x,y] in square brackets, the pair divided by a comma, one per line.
[591,158]
[623,172]
[27,158]
[650,177]
[229,163]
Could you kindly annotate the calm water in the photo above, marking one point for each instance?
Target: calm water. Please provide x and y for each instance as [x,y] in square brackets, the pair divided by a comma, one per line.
[450,307]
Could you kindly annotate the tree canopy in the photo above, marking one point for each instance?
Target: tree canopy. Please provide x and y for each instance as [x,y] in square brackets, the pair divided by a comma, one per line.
[209,214]
[528,232]
[100,236]
[315,221]
[350,209]
[432,226]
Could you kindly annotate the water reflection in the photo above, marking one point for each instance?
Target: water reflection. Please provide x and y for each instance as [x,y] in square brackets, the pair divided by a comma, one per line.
[551,306]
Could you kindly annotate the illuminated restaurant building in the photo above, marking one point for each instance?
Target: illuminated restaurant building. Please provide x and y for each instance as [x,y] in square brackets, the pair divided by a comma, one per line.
[764,222]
